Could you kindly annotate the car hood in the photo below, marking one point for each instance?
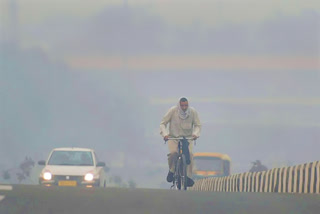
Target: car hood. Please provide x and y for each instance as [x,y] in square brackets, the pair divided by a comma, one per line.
[69,170]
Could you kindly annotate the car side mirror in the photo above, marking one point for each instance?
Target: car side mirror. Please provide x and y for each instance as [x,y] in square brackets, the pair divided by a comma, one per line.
[101,164]
[42,163]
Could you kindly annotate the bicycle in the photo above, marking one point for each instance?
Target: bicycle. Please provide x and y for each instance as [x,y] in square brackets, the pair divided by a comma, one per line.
[180,174]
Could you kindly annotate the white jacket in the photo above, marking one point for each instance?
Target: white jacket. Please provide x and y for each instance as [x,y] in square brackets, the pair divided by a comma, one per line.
[179,127]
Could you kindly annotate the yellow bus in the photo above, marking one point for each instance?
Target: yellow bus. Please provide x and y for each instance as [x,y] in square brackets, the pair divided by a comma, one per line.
[208,164]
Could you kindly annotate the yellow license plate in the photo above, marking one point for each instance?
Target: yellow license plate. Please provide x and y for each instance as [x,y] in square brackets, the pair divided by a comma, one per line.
[68,183]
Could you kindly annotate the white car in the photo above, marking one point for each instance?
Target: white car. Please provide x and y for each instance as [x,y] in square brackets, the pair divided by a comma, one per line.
[72,167]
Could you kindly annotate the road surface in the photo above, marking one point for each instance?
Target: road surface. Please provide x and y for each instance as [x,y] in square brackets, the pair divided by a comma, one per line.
[31,199]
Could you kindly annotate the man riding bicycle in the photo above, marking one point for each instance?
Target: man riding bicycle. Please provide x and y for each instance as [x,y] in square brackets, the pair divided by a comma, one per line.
[183,122]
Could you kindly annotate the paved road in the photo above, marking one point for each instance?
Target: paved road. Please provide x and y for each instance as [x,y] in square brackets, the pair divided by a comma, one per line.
[29,199]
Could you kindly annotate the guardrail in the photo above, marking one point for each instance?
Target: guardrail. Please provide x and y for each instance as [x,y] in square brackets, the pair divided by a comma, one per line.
[303,178]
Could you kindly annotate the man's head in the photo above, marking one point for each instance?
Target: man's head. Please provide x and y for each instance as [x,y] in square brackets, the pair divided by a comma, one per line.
[184,104]
[258,162]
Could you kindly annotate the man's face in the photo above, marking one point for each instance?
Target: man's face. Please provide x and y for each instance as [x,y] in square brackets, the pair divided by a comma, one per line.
[184,105]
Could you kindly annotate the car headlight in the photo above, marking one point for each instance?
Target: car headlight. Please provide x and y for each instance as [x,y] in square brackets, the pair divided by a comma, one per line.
[47,176]
[88,177]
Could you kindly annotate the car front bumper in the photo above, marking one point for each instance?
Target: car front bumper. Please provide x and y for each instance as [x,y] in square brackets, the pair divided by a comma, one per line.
[72,181]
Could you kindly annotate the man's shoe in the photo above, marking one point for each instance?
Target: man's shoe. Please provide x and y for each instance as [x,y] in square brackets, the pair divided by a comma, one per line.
[170,177]
[190,182]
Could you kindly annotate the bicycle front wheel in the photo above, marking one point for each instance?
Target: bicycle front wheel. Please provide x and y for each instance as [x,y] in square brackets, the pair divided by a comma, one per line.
[183,173]
[177,174]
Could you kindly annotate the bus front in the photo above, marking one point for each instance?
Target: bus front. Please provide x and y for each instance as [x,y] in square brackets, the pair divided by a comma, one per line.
[210,165]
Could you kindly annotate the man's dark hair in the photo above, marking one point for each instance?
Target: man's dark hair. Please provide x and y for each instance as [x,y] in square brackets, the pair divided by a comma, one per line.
[183,99]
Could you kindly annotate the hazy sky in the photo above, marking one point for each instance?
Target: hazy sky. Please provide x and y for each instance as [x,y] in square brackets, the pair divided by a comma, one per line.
[102,74]
[50,23]
[180,12]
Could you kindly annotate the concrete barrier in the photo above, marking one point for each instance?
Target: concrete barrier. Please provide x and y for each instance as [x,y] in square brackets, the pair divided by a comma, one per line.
[303,178]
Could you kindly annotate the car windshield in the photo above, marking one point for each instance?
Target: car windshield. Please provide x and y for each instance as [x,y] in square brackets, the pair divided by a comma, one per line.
[208,163]
[71,158]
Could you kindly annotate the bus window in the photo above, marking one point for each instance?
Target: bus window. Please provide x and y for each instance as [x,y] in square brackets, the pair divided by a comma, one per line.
[207,164]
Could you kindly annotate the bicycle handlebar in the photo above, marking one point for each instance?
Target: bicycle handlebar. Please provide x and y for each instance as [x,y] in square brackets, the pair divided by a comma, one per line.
[179,138]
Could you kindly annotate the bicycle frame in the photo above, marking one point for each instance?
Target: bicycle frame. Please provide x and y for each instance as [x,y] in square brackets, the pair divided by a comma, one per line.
[180,174]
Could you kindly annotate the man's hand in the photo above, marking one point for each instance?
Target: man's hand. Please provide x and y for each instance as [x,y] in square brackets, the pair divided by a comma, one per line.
[194,137]
[166,138]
